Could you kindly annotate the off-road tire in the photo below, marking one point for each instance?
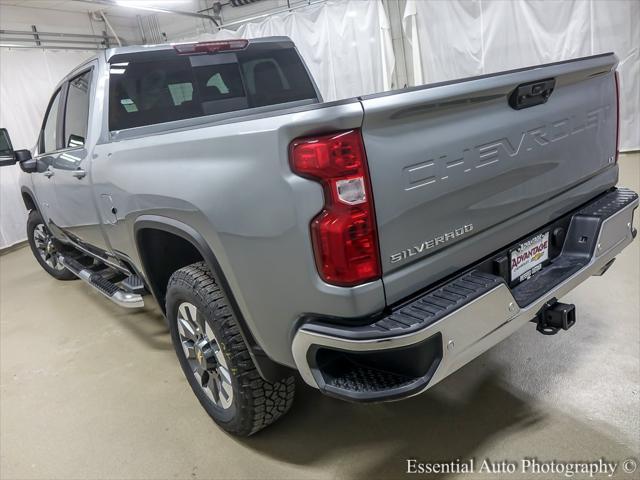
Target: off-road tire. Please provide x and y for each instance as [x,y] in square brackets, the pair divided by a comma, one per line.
[34,221]
[256,403]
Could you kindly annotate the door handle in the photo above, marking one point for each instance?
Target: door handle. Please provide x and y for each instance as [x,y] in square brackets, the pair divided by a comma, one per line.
[49,173]
[79,173]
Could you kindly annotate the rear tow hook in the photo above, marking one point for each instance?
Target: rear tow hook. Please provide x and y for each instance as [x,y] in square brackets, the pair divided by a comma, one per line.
[554,316]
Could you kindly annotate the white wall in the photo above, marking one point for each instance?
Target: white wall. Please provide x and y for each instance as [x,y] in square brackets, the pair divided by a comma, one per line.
[178,27]
[230,13]
[50,20]
[461,38]
[345,44]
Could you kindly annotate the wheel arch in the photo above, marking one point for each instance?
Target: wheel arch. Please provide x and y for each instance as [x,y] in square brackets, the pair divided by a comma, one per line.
[148,226]
[28,198]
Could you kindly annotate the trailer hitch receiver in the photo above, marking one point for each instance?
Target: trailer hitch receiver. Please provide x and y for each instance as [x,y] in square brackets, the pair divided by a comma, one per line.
[554,316]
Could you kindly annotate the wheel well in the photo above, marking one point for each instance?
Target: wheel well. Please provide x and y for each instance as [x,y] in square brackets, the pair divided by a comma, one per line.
[162,253]
[28,201]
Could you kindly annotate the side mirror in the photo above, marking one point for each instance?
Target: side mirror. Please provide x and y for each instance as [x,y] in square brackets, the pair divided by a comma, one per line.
[26,162]
[7,156]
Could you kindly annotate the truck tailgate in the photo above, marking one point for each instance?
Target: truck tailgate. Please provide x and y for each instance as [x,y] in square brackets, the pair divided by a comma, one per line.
[457,172]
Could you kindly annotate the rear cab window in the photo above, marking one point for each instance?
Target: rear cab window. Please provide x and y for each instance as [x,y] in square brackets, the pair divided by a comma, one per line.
[147,88]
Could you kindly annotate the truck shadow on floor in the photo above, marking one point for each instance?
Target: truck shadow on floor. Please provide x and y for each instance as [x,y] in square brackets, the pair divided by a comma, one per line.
[457,419]
[440,424]
[147,324]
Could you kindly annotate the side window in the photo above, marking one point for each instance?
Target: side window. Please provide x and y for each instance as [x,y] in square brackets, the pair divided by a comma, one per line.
[50,128]
[76,115]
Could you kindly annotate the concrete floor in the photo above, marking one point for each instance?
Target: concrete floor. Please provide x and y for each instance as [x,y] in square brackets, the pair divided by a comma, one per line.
[89,390]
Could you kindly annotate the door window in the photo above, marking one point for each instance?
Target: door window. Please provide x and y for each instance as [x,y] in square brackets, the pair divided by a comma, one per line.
[76,115]
[50,128]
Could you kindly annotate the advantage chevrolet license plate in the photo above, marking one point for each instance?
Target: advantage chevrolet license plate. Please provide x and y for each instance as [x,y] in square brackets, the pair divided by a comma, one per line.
[529,257]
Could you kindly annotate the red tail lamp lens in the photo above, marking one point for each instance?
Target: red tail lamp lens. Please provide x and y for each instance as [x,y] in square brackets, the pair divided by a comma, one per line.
[344,233]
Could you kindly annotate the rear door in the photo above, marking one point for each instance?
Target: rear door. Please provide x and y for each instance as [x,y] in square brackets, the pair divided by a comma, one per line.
[460,169]
[77,212]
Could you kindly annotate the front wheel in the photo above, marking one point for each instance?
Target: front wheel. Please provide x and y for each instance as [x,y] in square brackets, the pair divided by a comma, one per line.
[215,358]
[45,247]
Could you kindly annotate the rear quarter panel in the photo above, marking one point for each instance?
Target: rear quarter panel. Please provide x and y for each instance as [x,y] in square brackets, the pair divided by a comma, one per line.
[232,183]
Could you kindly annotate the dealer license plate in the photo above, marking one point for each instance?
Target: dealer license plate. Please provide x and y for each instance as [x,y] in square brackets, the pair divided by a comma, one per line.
[529,257]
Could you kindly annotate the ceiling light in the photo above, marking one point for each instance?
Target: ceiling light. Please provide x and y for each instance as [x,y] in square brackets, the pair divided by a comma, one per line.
[150,3]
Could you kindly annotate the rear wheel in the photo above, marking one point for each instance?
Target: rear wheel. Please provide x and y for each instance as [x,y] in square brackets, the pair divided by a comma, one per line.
[215,358]
[45,247]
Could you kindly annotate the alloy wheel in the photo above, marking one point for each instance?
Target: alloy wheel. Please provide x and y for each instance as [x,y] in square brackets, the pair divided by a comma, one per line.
[46,247]
[204,355]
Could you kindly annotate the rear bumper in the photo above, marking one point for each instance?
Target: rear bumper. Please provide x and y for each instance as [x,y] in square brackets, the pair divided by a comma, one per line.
[420,342]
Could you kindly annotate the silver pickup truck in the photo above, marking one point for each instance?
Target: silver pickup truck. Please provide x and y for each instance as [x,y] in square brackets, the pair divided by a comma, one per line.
[374,245]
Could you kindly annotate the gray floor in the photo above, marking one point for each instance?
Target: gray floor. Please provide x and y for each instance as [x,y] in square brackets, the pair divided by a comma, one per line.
[92,391]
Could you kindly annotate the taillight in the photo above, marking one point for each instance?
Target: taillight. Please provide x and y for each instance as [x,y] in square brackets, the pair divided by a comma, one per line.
[344,234]
[210,47]
[617,115]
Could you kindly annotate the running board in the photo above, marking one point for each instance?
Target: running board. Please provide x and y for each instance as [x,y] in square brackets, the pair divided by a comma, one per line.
[101,284]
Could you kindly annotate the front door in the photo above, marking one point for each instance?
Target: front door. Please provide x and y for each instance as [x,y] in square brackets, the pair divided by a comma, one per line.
[46,153]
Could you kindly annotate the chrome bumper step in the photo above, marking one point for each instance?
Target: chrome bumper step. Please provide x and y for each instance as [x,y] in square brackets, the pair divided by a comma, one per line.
[413,345]
[99,282]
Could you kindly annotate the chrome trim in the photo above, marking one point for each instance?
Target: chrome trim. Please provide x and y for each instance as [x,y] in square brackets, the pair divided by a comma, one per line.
[79,173]
[120,297]
[100,258]
[126,299]
[483,322]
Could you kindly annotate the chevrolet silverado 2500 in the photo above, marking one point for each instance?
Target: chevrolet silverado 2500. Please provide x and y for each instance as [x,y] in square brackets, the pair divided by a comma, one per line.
[374,244]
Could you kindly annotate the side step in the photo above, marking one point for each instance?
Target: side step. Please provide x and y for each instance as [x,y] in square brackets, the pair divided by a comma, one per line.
[103,285]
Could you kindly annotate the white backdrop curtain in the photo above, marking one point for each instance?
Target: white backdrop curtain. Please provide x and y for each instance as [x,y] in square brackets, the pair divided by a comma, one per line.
[457,38]
[346,44]
[27,80]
